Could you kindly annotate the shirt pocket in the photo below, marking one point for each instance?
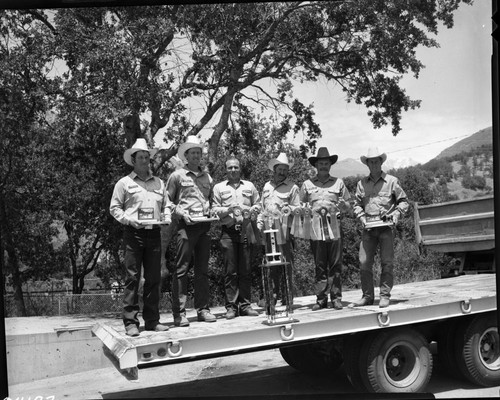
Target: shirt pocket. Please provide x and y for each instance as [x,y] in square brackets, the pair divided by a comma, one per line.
[226,198]
[281,198]
[332,195]
[247,197]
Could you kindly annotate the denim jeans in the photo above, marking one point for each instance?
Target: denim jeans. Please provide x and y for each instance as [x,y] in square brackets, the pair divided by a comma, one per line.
[328,261]
[382,237]
[193,248]
[142,250]
[237,269]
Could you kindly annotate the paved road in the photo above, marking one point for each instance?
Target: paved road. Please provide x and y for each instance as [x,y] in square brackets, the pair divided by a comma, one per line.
[254,375]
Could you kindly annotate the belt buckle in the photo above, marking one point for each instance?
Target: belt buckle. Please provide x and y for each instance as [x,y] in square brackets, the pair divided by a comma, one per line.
[237,227]
[148,227]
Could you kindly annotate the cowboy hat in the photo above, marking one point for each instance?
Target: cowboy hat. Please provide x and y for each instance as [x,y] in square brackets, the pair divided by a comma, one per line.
[323,153]
[139,145]
[373,153]
[282,159]
[190,143]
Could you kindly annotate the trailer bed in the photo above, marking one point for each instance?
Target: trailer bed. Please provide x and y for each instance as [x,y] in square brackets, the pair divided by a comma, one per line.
[410,303]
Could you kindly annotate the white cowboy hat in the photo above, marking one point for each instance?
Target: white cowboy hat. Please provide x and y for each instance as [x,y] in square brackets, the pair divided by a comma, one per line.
[282,159]
[139,145]
[191,142]
[373,153]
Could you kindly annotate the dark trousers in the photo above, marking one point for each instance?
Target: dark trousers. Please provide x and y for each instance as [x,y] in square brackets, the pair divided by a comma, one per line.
[383,238]
[237,269]
[142,249]
[328,268]
[193,244]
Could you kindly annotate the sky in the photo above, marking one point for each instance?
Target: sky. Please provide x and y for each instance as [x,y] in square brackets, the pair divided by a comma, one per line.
[454,86]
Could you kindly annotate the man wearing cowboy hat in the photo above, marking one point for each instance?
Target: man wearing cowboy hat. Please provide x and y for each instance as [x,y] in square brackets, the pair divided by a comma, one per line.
[234,200]
[328,194]
[138,201]
[279,194]
[190,190]
[379,196]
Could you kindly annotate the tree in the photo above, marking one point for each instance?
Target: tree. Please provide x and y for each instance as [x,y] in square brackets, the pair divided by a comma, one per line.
[26,93]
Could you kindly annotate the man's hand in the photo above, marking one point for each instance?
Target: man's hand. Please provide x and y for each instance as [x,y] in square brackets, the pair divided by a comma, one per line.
[135,224]
[363,220]
[187,219]
[395,217]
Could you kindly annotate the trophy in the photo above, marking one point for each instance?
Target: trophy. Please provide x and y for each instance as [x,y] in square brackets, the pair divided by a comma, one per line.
[274,259]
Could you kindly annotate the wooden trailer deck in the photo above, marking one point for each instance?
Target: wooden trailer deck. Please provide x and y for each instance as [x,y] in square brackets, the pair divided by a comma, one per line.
[410,304]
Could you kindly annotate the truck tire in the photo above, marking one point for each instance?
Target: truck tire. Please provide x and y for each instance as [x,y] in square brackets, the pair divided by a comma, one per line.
[396,361]
[478,346]
[447,350]
[313,358]
[351,353]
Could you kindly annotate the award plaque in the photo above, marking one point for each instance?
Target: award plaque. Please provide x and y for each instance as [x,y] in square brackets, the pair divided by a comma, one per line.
[146,214]
[376,221]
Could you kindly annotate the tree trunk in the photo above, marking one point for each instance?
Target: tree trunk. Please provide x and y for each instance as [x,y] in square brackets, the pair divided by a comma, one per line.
[13,261]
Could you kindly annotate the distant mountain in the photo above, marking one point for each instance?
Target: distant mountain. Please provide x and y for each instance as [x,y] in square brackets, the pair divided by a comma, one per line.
[348,167]
[352,167]
[478,139]
[398,163]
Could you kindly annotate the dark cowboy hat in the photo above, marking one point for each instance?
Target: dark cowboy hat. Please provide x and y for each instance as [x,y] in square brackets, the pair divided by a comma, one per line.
[323,153]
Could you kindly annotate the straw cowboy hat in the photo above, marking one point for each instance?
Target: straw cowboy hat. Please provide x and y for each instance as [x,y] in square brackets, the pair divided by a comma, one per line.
[373,153]
[139,145]
[282,159]
[190,143]
[323,153]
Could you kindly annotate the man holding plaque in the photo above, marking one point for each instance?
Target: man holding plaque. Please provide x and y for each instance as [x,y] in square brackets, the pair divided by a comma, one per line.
[379,203]
[280,197]
[140,203]
[327,196]
[236,202]
[190,190]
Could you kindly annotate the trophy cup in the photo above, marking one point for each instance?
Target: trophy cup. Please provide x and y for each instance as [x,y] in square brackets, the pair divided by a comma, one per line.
[274,259]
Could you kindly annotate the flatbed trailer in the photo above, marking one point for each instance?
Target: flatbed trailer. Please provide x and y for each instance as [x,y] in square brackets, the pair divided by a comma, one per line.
[381,349]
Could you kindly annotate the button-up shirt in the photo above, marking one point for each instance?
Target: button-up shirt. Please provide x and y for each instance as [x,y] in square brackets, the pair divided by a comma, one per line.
[226,194]
[381,196]
[190,192]
[281,193]
[133,196]
[313,191]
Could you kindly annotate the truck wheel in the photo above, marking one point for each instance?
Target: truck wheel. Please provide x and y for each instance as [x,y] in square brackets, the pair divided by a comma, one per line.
[396,361]
[313,358]
[351,352]
[447,350]
[478,346]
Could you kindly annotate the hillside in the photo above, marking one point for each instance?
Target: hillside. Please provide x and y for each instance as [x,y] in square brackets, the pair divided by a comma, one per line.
[478,139]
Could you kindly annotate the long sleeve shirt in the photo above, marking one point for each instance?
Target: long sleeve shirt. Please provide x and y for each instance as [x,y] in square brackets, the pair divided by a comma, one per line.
[279,194]
[189,192]
[137,199]
[381,196]
[313,191]
[226,194]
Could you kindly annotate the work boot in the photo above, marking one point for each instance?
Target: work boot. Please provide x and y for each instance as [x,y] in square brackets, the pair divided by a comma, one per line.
[249,312]
[206,316]
[181,320]
[132,330]
[337,304]
[157,328]
[319,306]
[384,302]
[364,301]
[230,313]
